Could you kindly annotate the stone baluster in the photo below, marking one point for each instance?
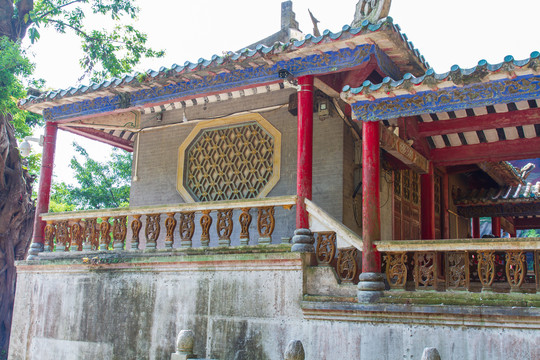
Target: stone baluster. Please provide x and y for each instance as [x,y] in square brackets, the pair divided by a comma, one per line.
[186,228]
[516,269]
[119,232]
[224,227]
[136,225]
[265,224]
[486,269]
[50,233]
[206,222]
[89,234]
[245,221]
[76,236]
[326,247]
[105,231]
[152,230]
[62,236]
[170,225]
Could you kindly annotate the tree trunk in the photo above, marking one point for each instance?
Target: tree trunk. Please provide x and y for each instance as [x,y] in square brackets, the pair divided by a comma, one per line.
[16,219]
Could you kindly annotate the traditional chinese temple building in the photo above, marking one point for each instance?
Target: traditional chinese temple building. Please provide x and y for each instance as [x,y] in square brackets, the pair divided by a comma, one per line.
[327,189]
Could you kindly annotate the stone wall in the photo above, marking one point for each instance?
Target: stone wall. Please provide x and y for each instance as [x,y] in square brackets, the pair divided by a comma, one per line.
[241,305]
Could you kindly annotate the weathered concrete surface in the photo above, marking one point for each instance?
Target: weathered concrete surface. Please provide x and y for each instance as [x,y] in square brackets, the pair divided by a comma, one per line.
[240,303]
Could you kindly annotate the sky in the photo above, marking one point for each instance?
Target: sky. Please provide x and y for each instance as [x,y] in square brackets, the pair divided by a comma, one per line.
[458,32]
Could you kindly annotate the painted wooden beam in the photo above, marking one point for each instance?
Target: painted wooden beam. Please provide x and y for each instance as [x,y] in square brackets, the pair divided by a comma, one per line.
[101,137]
[482,122]
[527,223]
[495,151]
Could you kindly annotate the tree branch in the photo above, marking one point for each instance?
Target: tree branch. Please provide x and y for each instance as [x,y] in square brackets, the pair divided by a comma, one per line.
[41,16]
[77,30]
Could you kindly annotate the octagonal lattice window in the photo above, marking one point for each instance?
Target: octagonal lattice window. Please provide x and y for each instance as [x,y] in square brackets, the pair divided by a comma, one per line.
[229,159]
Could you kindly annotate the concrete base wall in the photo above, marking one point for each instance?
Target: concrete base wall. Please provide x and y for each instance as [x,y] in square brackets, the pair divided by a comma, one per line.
[245,305]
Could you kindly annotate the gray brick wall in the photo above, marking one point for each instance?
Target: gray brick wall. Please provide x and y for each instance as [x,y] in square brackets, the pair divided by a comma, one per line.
[158,157]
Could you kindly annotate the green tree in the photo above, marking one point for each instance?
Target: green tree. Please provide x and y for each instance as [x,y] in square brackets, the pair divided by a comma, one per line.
[99,184]
[110,49]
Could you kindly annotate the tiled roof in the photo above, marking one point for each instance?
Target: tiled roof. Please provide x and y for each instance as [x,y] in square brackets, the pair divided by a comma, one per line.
[384,34]
[483,72]
[510,194]
[504,173]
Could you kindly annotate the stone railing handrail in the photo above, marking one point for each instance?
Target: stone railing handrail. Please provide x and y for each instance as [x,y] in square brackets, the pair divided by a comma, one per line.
[327,220]
[288,200]
[481,244]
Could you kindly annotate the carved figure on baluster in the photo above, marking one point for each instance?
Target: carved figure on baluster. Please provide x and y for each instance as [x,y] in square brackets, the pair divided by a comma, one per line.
[119,232]
[76,236]
[265,224]
[187,228]
[224,227]
[49,232]
[396,269]
[457,270]
[326,247]
[486,269]
[152,230]
[170,225]
[105,231]
[62,236]
[90,235]
[425,270]
[136,225]
[516,269]
[245,221]
[206,222]
[347,264]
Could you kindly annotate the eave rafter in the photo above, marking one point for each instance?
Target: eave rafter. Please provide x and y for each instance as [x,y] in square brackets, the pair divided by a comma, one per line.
[478,123]
[496,151]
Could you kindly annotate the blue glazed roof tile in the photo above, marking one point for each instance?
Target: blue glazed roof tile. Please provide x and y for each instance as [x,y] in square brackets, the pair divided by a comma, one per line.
[456,74]
[260,51]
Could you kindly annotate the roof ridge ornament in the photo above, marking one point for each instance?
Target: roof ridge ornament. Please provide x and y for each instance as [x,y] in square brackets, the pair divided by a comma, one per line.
[370,10]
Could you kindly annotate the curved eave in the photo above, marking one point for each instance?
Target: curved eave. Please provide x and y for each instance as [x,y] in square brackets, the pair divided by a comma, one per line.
[385,35]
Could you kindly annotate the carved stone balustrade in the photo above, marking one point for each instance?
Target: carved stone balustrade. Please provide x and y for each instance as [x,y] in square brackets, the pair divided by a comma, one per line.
[108,230]
[488,264]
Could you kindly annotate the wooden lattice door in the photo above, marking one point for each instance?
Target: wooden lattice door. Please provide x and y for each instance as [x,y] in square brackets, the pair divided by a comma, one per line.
[406,211]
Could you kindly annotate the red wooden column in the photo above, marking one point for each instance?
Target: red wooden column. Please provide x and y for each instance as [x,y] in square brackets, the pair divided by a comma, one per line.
[302,239]
[496,226]
[445,215]
[428,203]
[44,190]
[476,227]
[371,285]
[371,211]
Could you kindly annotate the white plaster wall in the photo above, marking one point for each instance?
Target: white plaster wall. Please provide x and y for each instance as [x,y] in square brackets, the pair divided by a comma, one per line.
[243,306]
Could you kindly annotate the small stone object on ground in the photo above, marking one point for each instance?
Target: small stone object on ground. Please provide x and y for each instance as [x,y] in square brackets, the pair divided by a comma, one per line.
[431,354]
[294,351]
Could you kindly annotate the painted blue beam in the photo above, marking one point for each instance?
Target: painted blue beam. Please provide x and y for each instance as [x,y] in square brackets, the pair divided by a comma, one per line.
[315,64]
[450,99]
